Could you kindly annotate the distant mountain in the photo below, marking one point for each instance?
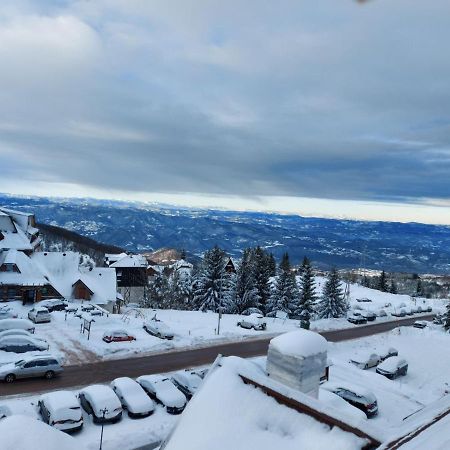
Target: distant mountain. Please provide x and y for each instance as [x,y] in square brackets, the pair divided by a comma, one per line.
[410,247]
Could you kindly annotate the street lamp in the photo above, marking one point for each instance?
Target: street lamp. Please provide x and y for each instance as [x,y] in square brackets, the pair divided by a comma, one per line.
[103,411]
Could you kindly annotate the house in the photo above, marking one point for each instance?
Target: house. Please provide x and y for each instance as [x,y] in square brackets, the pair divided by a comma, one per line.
[230,266]
[240,406]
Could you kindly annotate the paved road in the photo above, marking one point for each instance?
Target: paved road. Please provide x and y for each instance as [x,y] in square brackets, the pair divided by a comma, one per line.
[104,371]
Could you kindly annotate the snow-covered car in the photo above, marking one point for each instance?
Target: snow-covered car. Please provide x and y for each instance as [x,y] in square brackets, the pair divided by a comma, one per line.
[45,365]
[356,319]
[54,304]
[39,314]
[4,411]
[71,308]
[133,398]
[158,328]
[163,391]
[364,300]
[101,402]
[118,336]
[420,309]
[358,397]
[420,324]
[331,399]
[62,410]
[87,307]
[365,360]
[382,313]
[253,321]
[393,367]
[387,353]
[22,344]
[7,313]
[369,315]
[409,311]
[15,332]
[201,372]
[399,312]
[17,324]
[187,382]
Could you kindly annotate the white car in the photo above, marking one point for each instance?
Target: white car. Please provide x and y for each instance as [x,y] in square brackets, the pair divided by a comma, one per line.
[22,344]
[420,324]
[19,332]
[163,391]
[39,314]
[133,398]
[16,324]
[7,313]
[187,382]
[253,321]
[365,360]
[158,328]
[62,410]
[102,403]
[387,353]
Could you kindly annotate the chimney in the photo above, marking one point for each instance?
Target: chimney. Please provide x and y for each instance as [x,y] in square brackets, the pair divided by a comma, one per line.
[298,359]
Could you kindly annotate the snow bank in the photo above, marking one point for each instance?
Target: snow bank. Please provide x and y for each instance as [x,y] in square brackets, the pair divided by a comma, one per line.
[302,343]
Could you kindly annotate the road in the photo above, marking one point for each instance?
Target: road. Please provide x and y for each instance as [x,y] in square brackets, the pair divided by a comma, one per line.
[105,371]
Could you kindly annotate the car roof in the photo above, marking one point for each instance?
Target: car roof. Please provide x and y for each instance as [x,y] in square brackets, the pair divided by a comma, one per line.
[60,399]
[361,391]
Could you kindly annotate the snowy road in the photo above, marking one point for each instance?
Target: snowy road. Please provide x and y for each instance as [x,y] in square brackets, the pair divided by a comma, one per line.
[105,371]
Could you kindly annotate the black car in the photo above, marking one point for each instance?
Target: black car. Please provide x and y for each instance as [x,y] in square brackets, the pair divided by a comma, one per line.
[393,367]
[54,305]
[357,320]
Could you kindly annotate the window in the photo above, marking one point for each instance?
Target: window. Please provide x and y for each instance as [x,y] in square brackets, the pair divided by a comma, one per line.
[30,364]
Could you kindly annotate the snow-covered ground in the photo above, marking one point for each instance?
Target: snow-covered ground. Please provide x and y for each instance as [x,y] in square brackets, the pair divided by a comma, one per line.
[191,328]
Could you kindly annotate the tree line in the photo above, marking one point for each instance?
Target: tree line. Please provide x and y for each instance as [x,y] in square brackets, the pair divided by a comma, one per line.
[257,285]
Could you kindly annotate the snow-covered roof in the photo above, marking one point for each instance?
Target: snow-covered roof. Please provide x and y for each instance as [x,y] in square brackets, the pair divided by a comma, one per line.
[29,274]
[130,261]
[302,343]
[227,413]
[16,239]
[38,435]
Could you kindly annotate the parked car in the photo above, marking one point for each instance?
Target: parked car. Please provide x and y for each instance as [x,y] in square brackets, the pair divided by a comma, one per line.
[201,372]
[253,321]
[22,344]
[187,382]
[54,304]
[39,314]
[359,397]
[62,410]
[163,391]
[382,313]
[133,398]
[357,319]
[17,324]
[7,313]
[420,309]
[331,399]
[87,307]
[364,300]
[393,367]
[158,328]
[4,412]
[365,360]
[399,313]
[71,308]
[420,324]
[32,366]
[14,332]
[102,403]
[387,353]
[118,336]
[429,308]
[369,315]
[409,311]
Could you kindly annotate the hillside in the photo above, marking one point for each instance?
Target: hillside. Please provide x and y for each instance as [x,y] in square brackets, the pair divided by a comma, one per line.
[400,247]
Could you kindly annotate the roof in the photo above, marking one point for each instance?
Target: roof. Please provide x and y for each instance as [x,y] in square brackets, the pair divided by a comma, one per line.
[302,343]
[130,261]
[30,274]
[227,412]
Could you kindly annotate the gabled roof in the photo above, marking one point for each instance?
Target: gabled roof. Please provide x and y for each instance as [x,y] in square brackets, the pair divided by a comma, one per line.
[84,284]
[29,274]
[238,407]
[130,261]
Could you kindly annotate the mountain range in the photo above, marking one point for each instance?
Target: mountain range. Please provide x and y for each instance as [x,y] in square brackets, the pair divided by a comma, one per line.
[137,227]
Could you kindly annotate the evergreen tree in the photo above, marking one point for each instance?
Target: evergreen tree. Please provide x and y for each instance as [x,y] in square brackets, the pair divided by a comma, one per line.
[382,282]
[212,286]
[271,265]
[285,293]
[419,289]
[447,318]
[180,290]
[332,303]
[308,295]
[393,287]
[246,291]
[263,273]
[159,292]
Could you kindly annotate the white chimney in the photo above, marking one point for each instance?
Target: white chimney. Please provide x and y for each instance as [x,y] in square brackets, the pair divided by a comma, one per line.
[298,359]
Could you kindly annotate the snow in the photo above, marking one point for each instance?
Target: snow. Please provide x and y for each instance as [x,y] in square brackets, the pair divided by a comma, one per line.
[164,389]
[134,397]
[130,261]
[62,405]
[101,397]
[302,343]
[20,432]
[22,324]
[336,402]
[228,414]
[391,364]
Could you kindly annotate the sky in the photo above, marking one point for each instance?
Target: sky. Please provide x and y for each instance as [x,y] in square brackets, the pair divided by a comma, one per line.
[336,109]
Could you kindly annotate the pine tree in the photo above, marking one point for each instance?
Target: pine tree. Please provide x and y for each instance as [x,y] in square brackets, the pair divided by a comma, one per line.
[285,293]
[159,292]
[180,290]
[263,273]
[447,318]
[382,282]
[212,286]
[419,289]
[332,303]
[308,294]
[393,287]
[246,291]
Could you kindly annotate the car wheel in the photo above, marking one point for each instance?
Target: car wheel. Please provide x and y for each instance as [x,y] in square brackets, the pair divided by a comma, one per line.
[10,378]
[366,366]
[49,374]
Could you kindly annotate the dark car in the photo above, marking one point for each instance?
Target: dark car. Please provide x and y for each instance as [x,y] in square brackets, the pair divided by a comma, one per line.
[420,324]
[359,397]
[393,367]
[54,305]
[369,315]
[357,319]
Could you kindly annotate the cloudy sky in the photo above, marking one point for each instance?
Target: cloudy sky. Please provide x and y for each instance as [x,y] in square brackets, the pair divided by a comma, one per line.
[320,107]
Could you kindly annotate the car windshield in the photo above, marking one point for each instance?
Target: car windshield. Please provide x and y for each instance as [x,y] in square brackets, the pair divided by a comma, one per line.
[19,363]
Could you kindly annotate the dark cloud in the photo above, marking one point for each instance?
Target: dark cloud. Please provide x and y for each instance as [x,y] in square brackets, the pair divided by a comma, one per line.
[316,99]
